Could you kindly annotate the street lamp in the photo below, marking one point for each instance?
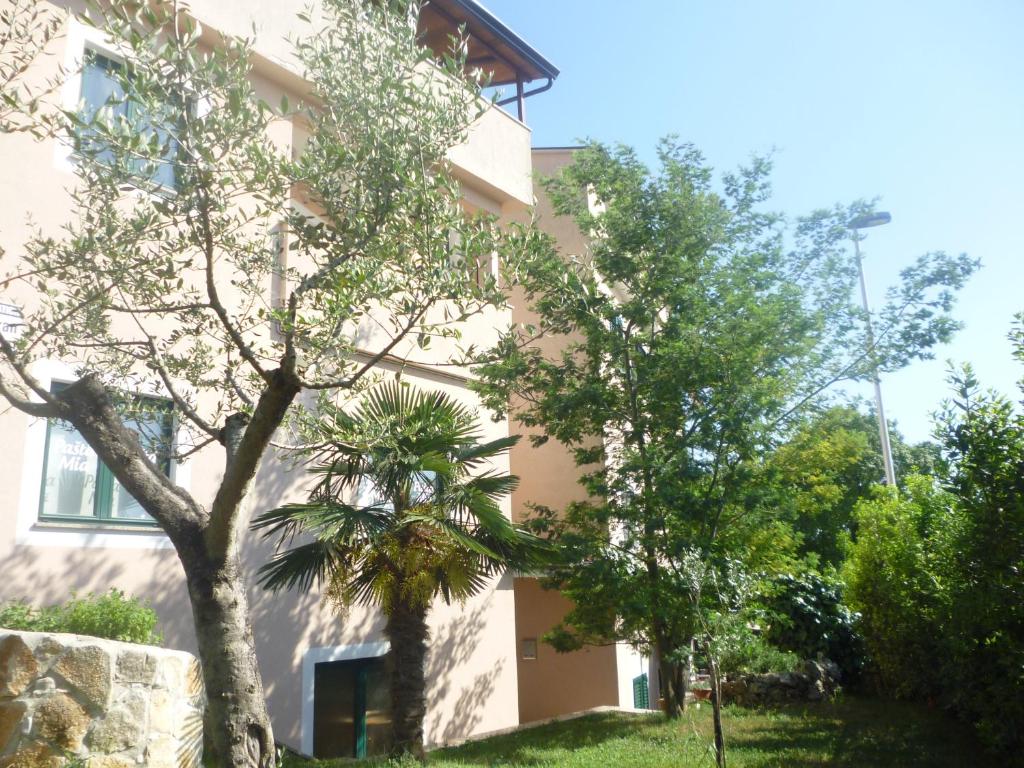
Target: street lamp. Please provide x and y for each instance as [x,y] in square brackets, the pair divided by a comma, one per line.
[863,222]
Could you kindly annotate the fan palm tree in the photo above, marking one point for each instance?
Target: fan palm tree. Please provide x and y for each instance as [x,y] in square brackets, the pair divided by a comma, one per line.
[403,511]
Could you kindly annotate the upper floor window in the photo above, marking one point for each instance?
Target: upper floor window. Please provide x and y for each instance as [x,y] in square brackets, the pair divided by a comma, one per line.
[78,487]
[103,88]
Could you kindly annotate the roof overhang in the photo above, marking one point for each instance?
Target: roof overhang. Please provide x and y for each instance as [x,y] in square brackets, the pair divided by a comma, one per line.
[492,46]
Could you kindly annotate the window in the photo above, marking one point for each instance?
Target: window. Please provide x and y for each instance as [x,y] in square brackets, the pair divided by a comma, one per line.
[480,267]
[102,88]
[529,649]
[77,486]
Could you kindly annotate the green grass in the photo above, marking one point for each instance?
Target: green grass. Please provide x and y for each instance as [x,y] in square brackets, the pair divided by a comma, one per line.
[852,732]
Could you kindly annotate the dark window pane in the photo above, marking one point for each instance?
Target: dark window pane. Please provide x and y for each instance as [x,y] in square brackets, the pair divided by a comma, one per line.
[334,700]
[351,708]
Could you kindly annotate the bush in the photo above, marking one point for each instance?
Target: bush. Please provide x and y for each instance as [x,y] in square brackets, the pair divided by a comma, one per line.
[937,572]
[893,577]
[755,656]
[806,615]
[113,616]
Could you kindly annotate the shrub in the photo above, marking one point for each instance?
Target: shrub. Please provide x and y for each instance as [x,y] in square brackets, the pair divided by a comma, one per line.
[753,655]
[113,616]
[806,615]
[892,576]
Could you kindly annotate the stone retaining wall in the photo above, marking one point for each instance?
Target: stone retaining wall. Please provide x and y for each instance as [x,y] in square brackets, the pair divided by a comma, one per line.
[122,705]
[814,681]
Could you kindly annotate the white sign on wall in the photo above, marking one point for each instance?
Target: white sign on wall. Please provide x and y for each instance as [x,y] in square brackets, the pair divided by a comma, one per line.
[12,321]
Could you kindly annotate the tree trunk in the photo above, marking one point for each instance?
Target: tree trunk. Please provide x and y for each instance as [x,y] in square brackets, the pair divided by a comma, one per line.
[237,726]
[716,711]
[407,630]
[672,681]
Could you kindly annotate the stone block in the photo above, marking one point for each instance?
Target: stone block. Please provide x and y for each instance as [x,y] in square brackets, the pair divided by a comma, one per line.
[116,732]
[12,714]
[32,755]
[135,667]
[111,761]
[134,701]
[88,669]
[62,721]
[47,649]
[170,674]
[163,712]
[121,706]
[18,666]
[162,752]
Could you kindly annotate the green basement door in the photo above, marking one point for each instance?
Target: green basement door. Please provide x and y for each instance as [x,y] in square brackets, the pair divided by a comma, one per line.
[351,708]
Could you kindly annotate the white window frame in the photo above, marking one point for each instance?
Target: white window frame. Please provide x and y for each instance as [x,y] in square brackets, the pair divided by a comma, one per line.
[80,38]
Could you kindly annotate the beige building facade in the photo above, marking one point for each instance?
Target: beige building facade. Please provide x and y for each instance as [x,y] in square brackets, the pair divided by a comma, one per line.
[478,677]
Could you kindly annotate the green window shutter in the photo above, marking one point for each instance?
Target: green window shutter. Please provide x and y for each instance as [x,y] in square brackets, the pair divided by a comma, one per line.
[641,693]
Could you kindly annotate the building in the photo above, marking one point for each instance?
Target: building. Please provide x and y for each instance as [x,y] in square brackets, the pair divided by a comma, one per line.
[67,526]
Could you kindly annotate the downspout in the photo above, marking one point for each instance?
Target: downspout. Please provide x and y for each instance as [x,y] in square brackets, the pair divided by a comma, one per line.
[521,96]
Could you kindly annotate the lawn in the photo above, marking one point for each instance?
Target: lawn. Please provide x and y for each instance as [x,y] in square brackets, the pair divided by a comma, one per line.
[852,732]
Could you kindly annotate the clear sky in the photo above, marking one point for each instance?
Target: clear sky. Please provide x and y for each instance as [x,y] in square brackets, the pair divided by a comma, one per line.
[918,102]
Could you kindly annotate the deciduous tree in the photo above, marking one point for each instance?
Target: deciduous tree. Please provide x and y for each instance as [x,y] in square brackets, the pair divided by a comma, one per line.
[695,329]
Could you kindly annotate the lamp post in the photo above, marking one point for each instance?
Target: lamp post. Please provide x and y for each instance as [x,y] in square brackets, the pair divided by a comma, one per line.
[863,222]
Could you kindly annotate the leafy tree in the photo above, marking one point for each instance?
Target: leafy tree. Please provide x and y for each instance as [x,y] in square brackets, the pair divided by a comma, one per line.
[936,573]
[401,515]
[983,436]
[807,616]
[893,582]
[826,466]
[169,273]
[693,336]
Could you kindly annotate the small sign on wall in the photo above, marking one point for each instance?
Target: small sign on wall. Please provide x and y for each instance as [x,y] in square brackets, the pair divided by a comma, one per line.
[12,321]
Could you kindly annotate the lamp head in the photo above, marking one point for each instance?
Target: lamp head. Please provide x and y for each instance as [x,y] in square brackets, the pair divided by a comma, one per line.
[866,220]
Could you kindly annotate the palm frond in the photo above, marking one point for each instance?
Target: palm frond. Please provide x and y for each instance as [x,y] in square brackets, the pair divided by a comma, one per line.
[435,526]
[474,454]
[302,567]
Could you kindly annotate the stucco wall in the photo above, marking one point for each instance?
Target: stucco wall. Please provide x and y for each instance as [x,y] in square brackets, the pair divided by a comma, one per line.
[558,683]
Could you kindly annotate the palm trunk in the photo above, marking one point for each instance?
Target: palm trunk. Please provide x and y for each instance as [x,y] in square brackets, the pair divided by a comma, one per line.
[237,725]
[407,630]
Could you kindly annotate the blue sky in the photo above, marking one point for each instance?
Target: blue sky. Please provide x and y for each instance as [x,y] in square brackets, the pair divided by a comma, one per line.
[919,102]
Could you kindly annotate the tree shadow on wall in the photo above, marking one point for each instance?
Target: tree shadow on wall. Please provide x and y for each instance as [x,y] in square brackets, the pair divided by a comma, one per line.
[452,648]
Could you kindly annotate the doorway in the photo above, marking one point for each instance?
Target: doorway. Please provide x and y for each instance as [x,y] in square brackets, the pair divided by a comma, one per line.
[351,708]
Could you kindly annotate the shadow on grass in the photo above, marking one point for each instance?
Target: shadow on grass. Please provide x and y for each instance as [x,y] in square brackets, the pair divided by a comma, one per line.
[853,733]
[533,746]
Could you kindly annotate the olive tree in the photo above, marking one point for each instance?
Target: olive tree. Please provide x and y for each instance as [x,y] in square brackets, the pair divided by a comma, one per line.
[168,276]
